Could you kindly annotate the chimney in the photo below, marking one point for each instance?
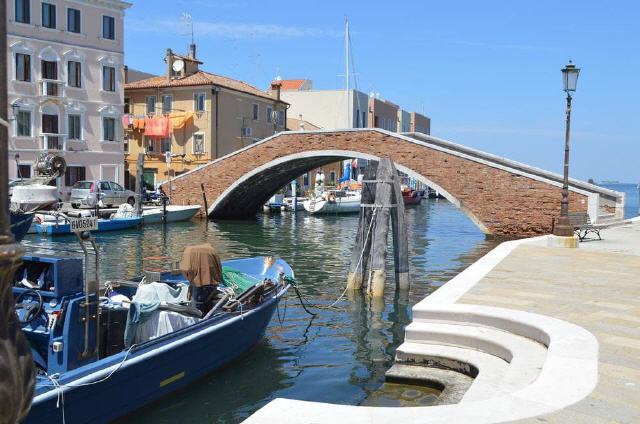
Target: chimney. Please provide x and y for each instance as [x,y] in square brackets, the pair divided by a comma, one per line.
[169,60]
[276,85]
[126,74]
[192,50]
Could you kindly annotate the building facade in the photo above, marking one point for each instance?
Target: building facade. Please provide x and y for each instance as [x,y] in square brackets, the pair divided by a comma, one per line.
[328,109]
[420,123]
[65,87]
[210,115]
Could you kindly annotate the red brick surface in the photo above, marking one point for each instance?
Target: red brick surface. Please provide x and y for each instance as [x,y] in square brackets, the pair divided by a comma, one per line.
[505,203]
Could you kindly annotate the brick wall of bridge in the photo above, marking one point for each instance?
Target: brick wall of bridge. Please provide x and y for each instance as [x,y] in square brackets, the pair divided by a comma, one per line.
[506,204]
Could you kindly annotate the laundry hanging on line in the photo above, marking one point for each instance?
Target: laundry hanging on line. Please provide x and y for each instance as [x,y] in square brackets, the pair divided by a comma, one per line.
[157,127]
[180,119]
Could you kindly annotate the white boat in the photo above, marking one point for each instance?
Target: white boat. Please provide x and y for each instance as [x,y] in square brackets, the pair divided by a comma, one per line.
[334,201]
[174,213]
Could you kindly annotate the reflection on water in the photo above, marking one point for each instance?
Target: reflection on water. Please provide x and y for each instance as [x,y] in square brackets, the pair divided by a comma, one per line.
[341,355]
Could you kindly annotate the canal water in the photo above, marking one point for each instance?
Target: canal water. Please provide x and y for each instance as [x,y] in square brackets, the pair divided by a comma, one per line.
[341,355]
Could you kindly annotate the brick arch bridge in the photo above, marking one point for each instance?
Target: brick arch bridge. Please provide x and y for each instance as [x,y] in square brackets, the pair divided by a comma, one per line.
[502,197]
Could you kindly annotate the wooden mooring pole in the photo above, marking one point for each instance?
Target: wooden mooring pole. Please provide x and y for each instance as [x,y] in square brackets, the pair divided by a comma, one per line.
[381,202]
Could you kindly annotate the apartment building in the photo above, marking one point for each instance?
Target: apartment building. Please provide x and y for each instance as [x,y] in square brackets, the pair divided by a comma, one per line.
[382,113]
[65,86]
[209,116]
[420,123]
[330,109]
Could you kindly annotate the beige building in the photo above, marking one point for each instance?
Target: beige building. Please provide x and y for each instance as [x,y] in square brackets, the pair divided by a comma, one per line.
[65,86]
[219,115]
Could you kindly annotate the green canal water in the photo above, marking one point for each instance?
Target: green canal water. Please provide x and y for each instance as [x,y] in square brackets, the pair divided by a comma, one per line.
[341,355]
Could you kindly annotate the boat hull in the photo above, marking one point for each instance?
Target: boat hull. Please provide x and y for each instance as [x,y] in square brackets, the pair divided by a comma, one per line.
[50,228]
[154,371]
[20,224]
[326,207]
[174,214]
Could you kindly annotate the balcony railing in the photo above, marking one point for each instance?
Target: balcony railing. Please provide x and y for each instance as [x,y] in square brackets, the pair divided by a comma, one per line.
[53,141]
[51,88]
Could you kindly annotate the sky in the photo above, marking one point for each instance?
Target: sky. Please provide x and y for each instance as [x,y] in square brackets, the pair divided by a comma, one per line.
[487,72]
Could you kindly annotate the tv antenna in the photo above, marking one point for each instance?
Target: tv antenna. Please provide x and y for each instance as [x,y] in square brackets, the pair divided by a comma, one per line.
[188,21]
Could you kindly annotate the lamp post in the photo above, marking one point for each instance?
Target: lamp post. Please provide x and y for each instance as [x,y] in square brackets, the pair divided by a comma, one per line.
[563,226]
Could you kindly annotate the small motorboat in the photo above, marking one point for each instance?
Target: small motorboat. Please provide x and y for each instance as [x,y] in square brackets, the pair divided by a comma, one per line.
[175,213]
[60,224]
[102,355]
[411,196]
[334,201]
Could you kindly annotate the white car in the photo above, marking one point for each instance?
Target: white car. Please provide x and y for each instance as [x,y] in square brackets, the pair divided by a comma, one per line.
[85,193]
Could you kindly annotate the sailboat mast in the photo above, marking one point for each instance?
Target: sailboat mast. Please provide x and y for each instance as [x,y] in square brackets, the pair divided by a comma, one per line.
[346,61]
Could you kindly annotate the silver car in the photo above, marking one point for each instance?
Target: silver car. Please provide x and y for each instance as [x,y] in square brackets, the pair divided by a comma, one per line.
[85,193]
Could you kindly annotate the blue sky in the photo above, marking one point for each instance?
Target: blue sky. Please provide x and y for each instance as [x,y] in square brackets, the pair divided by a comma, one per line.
[486,72]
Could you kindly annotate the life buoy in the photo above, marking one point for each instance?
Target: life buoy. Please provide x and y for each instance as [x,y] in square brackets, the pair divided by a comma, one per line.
[331,197]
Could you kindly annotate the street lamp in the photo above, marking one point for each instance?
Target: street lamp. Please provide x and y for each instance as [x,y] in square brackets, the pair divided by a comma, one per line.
[563,225]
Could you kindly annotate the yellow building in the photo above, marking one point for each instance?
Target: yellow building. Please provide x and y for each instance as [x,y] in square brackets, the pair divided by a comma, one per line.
[211,116]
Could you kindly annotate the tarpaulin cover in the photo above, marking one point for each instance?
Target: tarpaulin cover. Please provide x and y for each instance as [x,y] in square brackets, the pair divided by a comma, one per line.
[201,265]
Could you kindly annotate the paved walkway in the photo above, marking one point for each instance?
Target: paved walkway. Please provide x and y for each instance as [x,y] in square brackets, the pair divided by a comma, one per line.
[597,287]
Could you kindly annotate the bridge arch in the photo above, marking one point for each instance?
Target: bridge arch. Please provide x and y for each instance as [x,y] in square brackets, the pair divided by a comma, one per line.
[245,197]
[503,197]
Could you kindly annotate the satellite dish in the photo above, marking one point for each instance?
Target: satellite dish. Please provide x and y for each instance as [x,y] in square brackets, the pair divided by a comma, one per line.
[178,65]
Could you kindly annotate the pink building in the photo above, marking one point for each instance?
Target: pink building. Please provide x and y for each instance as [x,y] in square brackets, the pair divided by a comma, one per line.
[65,66]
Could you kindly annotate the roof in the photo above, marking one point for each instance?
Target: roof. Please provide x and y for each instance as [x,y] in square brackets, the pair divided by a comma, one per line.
[196,79]
[292,84]
[293,124]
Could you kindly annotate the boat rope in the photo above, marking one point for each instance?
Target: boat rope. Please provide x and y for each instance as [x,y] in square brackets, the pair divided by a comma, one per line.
[61,387]
[301,297]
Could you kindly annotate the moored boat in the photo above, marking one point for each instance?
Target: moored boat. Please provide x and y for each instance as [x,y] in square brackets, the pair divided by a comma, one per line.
[411,196]
[94,370]
[20,223]
[334,201]
[62,225]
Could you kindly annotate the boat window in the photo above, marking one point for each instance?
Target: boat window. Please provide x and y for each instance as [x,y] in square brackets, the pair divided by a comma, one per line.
[83,185]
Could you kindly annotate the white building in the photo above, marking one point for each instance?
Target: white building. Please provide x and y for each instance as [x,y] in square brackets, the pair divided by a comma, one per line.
[65,69]
[328,108]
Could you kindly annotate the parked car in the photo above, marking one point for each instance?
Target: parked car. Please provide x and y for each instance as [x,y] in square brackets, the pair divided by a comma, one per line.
[84,193]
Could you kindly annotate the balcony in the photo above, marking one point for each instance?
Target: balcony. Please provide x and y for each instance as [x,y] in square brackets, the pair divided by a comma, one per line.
[51,88]
[55,142]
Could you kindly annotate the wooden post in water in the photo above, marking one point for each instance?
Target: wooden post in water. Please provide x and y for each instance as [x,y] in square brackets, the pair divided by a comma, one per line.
[400,237]
[360,255]
[139,183]
[204,199]
[377,274]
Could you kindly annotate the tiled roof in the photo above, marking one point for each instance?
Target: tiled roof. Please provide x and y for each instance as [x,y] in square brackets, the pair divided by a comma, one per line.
[199,78]
[292,84]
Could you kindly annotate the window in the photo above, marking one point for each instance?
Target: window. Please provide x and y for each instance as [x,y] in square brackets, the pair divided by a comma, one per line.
[108,129]
[73,20]
[23,67]
[24,171]
[108,78]
[165,145]
[74,130]
[305,179]
[74,74]
[269,114]
[23,123]
[74,174]
[255,111]
[108,27]
[151,104]
[167,103]
[127,105]
[281,118]
[23,11]
[198,143]
[48,15]
[364,120]
[125,147]
[198,102]
[332,177]
[246,131]
[357,118]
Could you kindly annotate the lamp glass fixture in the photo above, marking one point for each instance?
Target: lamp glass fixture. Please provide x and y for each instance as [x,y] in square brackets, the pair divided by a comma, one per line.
[570,77]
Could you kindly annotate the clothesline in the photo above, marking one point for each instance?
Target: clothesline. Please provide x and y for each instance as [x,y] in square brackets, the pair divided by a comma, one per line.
[157,126]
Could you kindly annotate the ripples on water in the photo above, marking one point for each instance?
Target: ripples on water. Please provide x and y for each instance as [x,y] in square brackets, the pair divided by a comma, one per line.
[341,355]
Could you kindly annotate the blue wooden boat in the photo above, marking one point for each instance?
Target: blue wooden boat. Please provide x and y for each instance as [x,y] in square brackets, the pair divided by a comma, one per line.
[84,372]
[111,224]
[20,223]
